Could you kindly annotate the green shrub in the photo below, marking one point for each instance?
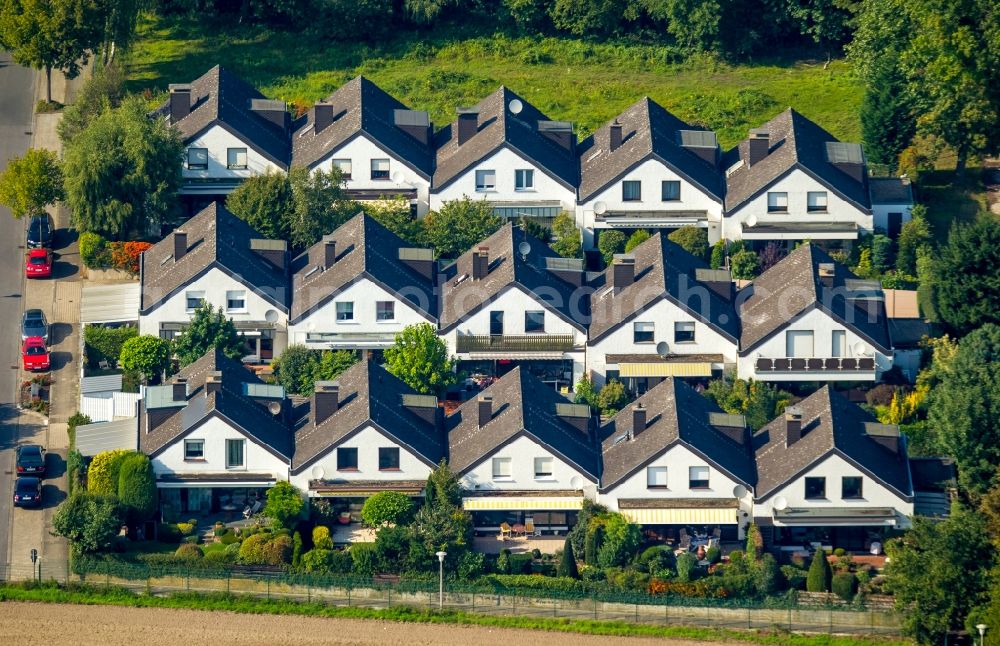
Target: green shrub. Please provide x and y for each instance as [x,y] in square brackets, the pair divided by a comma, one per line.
[844,585]
[687,567]
[567,562]
[795,577]
[321,538]
[296,549]
[595,536]
[767,575]
[818,578]
[692,239]
[189,552]
[94,250]
[387,508]
[609,243]
[185,528]
[627,578]
[713,554]
[317,561]
[252,549]
[137,488]
[520,563]
[277,551]
[658,561]
[168,533]
[219,554]
[503,561]
[536,553]
[363,558]
[755,542]
[471,565]
[531,582]
[105,343]
[612,398]
[102,475]
[229,537]
[193,539]
[839,552]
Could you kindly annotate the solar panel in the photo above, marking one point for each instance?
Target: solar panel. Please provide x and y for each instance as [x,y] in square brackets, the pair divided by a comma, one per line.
[573,410]
[697,138]
[727,420]
[712,275]
[268,391]
[160,397]
[565,264]
[420,401]
[839,152]
[881,430]
[555,126]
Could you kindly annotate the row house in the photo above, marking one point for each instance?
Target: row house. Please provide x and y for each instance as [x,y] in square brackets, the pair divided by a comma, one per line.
[790,180]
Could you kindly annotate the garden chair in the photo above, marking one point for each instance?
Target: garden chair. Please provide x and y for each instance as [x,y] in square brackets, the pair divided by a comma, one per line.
[529,528]
[504,531]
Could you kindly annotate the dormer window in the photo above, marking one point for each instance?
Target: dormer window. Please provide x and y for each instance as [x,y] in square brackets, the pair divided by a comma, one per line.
[236,158]
[380,169]
[197,159]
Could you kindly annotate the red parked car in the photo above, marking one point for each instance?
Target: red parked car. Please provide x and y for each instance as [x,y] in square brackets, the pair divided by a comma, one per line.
[34,354]
[38,263]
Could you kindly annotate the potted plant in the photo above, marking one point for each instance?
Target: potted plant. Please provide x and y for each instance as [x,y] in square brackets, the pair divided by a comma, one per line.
[344,518]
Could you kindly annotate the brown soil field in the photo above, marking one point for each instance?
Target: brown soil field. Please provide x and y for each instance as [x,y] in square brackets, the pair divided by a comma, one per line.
[110,625]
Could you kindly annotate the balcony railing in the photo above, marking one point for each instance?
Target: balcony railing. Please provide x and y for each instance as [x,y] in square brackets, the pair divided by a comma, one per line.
[816,364]
[514,343]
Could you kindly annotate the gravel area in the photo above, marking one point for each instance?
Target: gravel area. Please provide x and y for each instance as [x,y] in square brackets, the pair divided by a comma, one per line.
[56,625]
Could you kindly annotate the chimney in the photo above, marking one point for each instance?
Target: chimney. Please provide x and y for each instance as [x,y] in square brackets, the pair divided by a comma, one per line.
[623,271]
[325,400]
[213,382]
[322,116]
[273,111]
[638,420]
[423,406]
[419,260]
[329,252]
[827,271]
[415,123]
[273,251]
[558,132]
[760,146]
[180,244]
[793,425]
[480,263]
[485,403]
[614,135]
[468,124]
[180,390]
[180,101]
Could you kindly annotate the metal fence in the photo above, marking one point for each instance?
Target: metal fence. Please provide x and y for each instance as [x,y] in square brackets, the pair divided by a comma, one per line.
[424,594]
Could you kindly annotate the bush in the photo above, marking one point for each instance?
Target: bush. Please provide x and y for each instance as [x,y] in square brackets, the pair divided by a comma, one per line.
[692,239]
[318,561]
[755,542]
[284,503]
[612,397]
[536,553]
[228,537]
[567,562]
[609,243]
[363,558]
[189,552]
[595,537]
[880,395]
[185,529]
[321,538]
[503,561]
[252,549]
[531,582]
[745,265]
[168,533]
[794,576]
[137,487]
[713,554]
[102,475]
[844,585]
[277,551]
[105,343]
[621,540]
[687,566]
[767,576]
[520,563]
[90,522]
[93,250]
[471,565]
[296,549]
[839,552]
[818,578]
[387,508]
[636,239]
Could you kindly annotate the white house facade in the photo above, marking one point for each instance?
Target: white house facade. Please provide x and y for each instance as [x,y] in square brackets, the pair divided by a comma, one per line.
[224,157]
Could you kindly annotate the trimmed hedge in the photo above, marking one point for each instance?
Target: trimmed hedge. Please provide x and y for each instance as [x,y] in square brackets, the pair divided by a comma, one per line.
[844,585]
[105,343]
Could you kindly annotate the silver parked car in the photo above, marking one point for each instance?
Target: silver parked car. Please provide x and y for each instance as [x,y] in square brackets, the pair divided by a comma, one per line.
[33,323]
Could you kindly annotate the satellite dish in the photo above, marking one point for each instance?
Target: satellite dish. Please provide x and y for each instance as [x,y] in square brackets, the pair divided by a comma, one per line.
[318,473]
[662,348]
[398,177]
[275,408]
[739,491]
[600,208]
[576,482]
[752,221]
[271,316]
[515,106]
[524,249]
[859,349]
[781,503]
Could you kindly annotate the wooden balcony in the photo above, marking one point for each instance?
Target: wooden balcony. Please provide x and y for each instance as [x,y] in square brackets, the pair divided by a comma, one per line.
[815,365]
[514,343]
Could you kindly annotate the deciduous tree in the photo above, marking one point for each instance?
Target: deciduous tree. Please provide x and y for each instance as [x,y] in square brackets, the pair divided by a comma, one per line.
[147,354]
[386,508]
[209,329]
[420,358]
[90,522]
[693,240]
[567,241]
[284,504]
[31,183]
[459,225]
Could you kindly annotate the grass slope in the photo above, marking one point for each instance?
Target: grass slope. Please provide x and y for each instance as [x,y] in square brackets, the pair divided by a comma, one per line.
[92,595]
[568,79]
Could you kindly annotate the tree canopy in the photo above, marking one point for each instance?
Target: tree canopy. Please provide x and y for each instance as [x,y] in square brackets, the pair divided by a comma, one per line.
[90,522]
[147,354]
[31,183]
[692,239]
[137,487]
[299,368]
[459,225]
[284,504]
[567,241]
[386,508]
[209,329]
[420,358]
[966,283]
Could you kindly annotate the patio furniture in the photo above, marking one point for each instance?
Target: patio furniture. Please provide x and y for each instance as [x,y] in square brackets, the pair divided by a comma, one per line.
[103,364]
[517,529]
[504,531]
[685,545]
[717,533]
[530,529]
[876,548]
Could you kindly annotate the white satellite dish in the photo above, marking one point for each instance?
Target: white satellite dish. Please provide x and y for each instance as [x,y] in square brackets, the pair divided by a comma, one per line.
[781,503]
[524,249]
[275,408]
[739,491]
[752,221]
[662,348]
[318,473]
[271,316]
[600,208]
[576,482]
[398,177]
[515,106]
[859,349]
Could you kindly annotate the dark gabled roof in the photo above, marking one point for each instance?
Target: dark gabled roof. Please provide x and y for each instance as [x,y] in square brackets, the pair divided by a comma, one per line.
[890,190]
[215,238]
[795,141]
[662,270]
[648,130]
[462,296]
[360,106]
[830,423]
[675,413]
[793,287]
[368,394]
[498,127]
[522,405]
[365,248]
[908,333]
[250,416]
[219,97]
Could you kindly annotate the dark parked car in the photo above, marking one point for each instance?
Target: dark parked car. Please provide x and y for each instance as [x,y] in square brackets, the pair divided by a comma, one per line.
[40,231]
[33,323]
[28,492]
[31,460]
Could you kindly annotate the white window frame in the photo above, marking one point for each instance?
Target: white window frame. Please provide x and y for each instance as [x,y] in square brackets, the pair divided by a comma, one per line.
[486,180]
[500,466]
[656,477]
[524,179]
[683,327]
[777,202]
[817,202]
[230,465]
[344,311]
[341,164]
[541,471]
[188,444]
[791,343]
[377,167]
[233,158]
[539,331]
[236,295]
[699,471]
[197,152]
[379,313]
[838,345]
[193,294]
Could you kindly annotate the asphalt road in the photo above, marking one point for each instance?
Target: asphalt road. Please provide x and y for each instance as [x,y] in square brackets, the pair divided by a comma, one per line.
[16,94]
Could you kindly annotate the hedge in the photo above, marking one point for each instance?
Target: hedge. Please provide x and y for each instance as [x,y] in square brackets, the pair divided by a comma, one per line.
[105,343]
[844,585]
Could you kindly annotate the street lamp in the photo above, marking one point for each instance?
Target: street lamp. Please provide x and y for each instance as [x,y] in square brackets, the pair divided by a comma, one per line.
[441,556]
[982,632]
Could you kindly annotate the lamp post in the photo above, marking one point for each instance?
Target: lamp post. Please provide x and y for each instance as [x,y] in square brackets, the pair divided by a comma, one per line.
[982,633]
[441,556]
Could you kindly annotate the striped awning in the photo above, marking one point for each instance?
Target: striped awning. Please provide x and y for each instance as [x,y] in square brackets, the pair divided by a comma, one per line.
[516,356]
[527,503]
[682,516]
[665,369]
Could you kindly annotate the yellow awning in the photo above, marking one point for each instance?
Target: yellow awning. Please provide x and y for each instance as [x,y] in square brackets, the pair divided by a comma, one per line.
[665,369]
[681,516]
[528,503]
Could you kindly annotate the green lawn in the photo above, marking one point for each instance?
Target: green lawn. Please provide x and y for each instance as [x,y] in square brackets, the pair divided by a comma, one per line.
[568,79]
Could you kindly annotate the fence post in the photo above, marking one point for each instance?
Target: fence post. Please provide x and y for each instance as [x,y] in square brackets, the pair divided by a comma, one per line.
[749,623]
[188,585]
[831,621]
[388,598]
[789,619]
[268,589]
[666,613]
[637,612]
[348,597]
[228,577]
[309,592]
[473,602]
[149,586]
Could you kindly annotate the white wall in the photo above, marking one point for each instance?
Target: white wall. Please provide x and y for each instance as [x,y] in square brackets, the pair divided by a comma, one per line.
[361,151]
[797,184]
[833,468]
[522,453]
[368,441]
[664,314]
[215,284]
[364,294]
[822,326]
[505,162]
[880,214]
[215,432]
[218,140]
[651,173]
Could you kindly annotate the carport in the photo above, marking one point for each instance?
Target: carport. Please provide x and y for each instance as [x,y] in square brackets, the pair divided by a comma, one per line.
[109,304]
[92,439]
